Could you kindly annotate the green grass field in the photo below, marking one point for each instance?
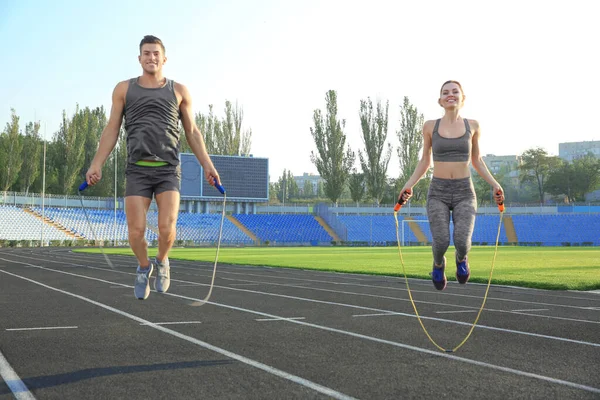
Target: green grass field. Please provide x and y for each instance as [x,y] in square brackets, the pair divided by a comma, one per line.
[557,268]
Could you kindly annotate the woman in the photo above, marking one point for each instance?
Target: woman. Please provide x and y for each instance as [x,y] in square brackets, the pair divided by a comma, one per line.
[454,142]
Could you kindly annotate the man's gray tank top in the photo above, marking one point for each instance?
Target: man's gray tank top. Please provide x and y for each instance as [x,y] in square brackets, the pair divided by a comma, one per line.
[152,123]
[451,149]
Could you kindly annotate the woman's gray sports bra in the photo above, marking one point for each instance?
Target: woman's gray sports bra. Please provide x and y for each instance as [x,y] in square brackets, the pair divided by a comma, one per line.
[451,149]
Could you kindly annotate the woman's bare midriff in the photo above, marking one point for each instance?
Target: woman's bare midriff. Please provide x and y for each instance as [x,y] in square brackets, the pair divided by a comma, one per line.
[451,170]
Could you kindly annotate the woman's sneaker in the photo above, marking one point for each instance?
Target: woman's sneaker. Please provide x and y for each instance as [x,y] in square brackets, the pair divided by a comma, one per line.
[463,272]
[438,276]
[141,287]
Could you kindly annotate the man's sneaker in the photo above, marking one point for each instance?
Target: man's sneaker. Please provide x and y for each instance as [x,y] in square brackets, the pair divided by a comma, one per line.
[141,287]
[463,272]
[163,276]
[438,276]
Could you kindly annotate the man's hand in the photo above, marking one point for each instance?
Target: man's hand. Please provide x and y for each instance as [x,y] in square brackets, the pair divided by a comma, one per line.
[211,175]
[93,175]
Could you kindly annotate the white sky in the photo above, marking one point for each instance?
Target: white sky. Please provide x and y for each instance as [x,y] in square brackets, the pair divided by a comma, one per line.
[528,68]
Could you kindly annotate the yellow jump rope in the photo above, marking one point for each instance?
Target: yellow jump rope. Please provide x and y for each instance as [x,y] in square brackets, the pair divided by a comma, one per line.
[396,209]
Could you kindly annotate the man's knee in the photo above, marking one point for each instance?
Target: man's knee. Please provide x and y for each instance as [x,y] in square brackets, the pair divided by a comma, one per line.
[137,232]
[167,228]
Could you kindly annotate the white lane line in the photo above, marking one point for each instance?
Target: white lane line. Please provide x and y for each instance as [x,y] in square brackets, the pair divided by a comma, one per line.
[456,311]
[14,383]
[532,309]
[373,315]
[40,328]
[359,285]
[325,328]
[321,327]
[279,319]
[173,323]
[272,370]
[243,284]
[479,326]
[367,295]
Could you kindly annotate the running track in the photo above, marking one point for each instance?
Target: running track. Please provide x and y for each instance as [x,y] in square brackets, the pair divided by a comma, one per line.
[70,328]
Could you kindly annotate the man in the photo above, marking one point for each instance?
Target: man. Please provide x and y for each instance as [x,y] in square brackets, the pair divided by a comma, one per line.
[151,106]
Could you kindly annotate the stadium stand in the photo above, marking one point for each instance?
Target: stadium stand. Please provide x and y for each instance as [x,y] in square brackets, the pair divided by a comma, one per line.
[204,228]
[284,228]
[16,224]
[64,223]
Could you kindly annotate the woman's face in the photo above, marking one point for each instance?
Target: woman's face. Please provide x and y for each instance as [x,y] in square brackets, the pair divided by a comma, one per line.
[451,96]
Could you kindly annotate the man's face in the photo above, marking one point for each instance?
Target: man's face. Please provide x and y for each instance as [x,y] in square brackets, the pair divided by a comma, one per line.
[152,57]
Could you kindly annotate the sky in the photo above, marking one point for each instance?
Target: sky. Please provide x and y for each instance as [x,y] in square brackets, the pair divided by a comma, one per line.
[528,68]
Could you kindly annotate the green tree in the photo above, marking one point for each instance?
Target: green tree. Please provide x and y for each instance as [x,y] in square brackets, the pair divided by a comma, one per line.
[574,180]
[241,138]
[411,144]
[273,192]
[536,167]
[11,146]
[31,155]
[356,184]
[374,162]
[288,188]
[333,162]
[71,138]
[308,190]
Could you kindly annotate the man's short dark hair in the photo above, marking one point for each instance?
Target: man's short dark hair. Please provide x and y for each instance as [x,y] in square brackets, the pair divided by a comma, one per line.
[150,39]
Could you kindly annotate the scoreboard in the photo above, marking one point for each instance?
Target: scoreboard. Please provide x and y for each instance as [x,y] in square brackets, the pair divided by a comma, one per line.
[244,178]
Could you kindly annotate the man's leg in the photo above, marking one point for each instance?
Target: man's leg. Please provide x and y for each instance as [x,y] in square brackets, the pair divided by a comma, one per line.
[167,199]
[168,209]
[138,196]
[136,209]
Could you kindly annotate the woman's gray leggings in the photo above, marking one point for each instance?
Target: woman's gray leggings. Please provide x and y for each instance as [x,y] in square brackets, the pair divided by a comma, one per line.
[458,196]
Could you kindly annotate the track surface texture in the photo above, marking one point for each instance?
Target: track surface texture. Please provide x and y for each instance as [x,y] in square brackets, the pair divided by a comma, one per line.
[70,328]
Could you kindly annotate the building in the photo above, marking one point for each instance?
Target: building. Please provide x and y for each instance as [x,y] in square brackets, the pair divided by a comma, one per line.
[501,163]
[306,177]
[573,150]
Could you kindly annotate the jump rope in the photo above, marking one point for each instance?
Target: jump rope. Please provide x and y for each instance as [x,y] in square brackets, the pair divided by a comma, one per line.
[219,187]
[397,208]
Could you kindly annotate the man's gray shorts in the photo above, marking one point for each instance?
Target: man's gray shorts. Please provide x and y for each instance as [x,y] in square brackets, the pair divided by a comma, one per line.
[148,181]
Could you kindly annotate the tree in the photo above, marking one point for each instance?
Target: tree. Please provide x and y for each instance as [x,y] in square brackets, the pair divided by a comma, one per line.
[411,144]
[224,136]
[374,162]
[536,167]
[356,185]
[288,188]
[482,189]
[574,180]
[308,190]
[71,138]
[241,140]
[273,191]
[32,155]
[332,161]
[587,170]
[230,139]
[11,146]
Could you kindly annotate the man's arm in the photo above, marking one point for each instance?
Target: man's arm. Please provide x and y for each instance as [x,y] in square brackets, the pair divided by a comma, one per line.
[194,136]
[110,134]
